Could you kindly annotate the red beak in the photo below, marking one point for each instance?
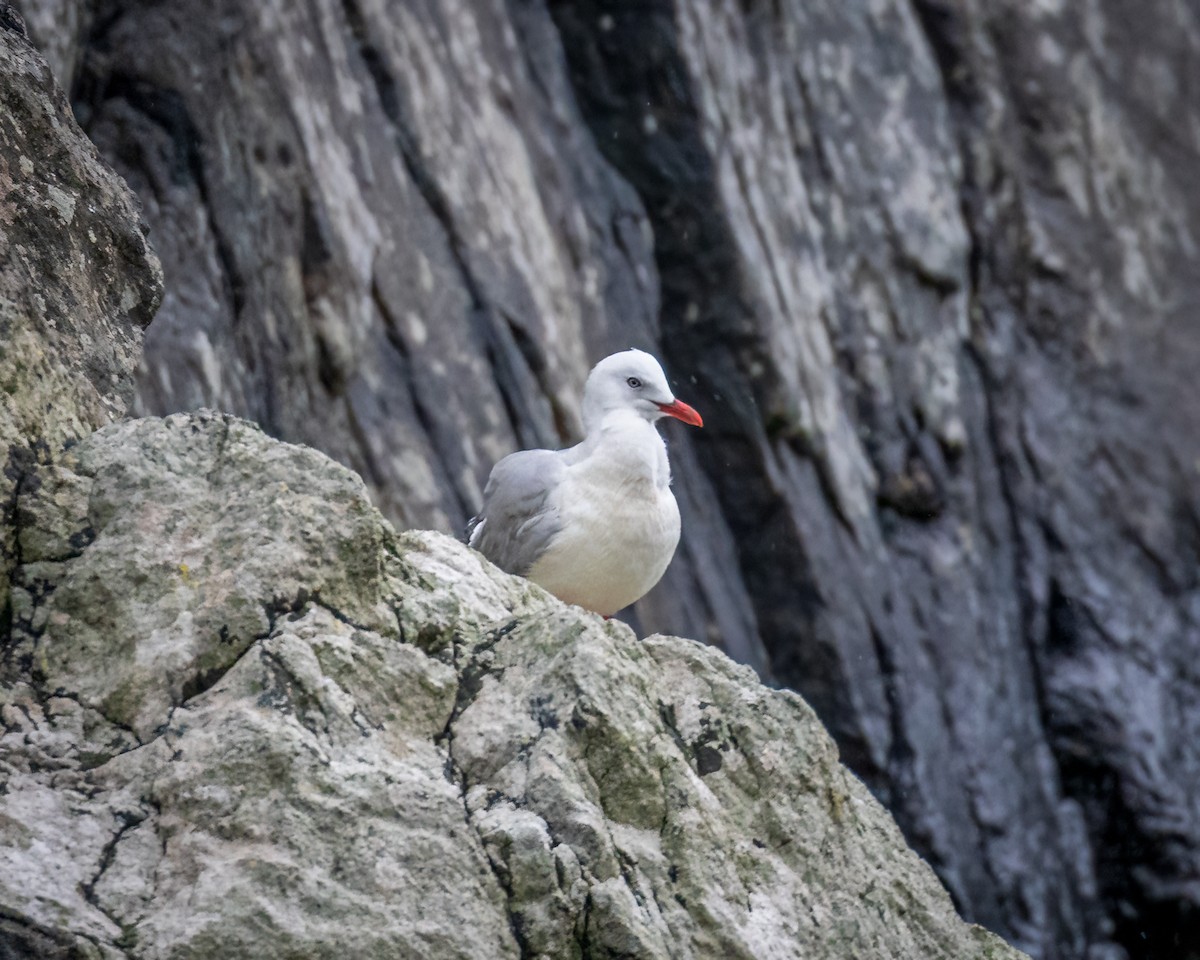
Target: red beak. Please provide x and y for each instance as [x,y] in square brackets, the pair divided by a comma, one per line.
[681,411]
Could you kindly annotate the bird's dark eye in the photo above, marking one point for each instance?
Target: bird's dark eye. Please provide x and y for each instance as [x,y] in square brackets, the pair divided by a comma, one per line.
[634,382]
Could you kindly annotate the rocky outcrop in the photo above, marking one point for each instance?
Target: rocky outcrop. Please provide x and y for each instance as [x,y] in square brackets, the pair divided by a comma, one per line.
[77,280]
[931,265]
[242,717]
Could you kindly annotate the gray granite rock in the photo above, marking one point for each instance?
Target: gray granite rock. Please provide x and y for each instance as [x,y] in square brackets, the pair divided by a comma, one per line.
[242,717]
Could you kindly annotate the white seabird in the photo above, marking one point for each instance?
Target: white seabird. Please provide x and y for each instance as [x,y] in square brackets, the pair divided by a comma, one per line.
[595,524]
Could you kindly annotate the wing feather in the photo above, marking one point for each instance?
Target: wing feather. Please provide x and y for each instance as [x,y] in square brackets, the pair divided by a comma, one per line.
[519,518]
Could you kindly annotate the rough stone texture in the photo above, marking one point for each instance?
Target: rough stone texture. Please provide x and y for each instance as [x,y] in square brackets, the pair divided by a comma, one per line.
[275,729]
[931,265]
[77,279]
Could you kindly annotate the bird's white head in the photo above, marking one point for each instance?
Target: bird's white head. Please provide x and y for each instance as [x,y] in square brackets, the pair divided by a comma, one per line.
[632,380]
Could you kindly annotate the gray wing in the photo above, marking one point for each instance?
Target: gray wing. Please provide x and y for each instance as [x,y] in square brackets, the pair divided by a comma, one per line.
[518,519]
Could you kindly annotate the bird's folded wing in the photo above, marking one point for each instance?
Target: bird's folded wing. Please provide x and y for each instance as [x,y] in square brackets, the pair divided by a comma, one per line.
[519,518]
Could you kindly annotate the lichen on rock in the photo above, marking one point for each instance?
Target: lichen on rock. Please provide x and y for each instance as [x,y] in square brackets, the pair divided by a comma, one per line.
[243,717]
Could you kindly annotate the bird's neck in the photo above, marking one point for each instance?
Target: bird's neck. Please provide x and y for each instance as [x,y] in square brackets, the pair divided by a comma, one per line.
[628,446]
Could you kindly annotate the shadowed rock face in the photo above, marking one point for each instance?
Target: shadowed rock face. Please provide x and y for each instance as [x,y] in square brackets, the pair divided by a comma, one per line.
[276,729]
[931,266]
[77,279]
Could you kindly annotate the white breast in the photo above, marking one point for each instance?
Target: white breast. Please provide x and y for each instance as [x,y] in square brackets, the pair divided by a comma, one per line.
[612,550]
[620,527]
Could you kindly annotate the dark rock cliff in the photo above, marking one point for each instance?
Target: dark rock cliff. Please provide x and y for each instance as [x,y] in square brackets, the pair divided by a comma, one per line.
[928,269]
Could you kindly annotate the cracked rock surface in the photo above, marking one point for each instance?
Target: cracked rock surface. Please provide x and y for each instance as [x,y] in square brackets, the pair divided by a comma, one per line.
[242,717]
